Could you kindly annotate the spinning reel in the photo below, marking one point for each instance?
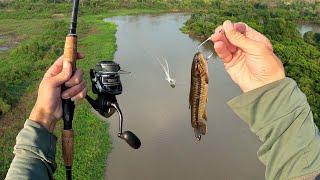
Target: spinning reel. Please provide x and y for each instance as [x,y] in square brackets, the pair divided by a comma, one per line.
[106,84]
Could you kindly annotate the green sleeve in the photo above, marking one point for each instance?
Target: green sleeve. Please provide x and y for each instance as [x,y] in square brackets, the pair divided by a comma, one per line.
[280,116]
[34,153]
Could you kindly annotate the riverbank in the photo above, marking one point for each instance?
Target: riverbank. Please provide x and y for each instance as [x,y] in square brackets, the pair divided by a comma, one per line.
[22,68]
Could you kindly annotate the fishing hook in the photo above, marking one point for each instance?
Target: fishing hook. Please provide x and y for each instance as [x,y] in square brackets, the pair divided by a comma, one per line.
[201,44]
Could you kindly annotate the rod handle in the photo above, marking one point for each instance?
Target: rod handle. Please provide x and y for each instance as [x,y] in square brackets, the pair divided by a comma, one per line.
[67,146]
[70,50]
[70,55]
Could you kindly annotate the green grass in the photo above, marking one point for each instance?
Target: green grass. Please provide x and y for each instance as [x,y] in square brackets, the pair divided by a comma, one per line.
[15,32]
[21,69]
[28,28]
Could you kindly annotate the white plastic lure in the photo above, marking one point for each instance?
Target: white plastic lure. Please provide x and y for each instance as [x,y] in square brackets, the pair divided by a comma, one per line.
[165,67]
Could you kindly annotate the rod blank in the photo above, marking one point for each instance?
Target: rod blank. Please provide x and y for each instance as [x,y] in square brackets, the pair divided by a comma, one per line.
[74,17]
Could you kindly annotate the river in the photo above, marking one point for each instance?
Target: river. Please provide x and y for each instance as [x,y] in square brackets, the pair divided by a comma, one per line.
[160,116]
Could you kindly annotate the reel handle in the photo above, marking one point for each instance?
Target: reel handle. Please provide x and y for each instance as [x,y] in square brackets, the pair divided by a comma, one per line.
[130,139]
[128,136]
[106,107]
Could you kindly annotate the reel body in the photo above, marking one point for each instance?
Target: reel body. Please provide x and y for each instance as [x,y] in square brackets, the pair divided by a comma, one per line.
[106,78]
[106,84]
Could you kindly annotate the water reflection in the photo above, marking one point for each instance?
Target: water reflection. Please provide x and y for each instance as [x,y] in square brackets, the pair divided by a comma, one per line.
[4,49]
[160,116]
[304,27]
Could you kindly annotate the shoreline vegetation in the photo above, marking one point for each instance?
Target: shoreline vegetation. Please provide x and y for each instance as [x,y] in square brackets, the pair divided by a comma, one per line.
[39,27]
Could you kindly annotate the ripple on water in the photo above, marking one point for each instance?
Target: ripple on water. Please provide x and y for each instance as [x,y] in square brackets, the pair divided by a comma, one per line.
[4,49]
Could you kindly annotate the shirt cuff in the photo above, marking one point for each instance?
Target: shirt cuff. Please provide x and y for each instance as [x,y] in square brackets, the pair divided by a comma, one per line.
[38,140]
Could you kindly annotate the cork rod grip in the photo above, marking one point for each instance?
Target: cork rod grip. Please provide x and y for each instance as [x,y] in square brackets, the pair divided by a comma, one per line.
[70,49]
[67,147]
[70,55]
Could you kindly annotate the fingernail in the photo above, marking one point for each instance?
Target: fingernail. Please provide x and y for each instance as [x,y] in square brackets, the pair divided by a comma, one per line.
[65,96]
[211,37]
[228,25]
[66,64]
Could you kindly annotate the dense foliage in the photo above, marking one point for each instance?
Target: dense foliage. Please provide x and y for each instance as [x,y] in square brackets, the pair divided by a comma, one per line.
[24,9]
[300,55]
[46,8]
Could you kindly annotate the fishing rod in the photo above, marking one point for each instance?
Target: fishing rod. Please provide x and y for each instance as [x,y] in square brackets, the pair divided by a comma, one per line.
[105,83]
[70,55]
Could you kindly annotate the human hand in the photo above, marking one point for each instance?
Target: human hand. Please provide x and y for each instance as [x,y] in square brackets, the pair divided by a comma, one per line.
[48,108]
[247,55]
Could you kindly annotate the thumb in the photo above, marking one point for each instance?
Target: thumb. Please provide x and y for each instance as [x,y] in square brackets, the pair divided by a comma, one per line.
[237,38]
[64,75]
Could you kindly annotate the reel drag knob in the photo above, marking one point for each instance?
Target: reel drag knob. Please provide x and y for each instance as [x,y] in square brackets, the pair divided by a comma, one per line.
[131,139]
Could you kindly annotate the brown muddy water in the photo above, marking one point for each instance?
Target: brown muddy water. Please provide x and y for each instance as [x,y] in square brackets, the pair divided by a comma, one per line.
[160,116]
